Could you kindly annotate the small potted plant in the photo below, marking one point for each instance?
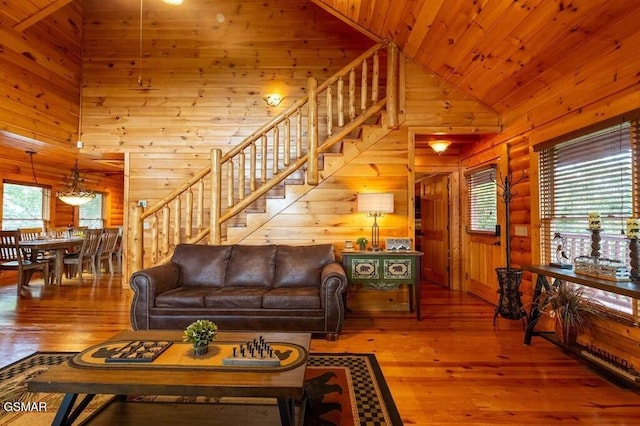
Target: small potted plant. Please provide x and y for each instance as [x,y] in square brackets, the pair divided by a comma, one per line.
[200,333]
[362,243]
[572,310]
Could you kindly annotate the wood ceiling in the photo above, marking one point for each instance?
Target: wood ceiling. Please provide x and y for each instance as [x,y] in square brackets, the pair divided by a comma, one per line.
[499,51]
[24,13]
[502,52]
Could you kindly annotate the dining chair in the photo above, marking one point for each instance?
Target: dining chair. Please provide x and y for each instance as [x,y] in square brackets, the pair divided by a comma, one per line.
[107,248]
[117,254]
[75,262]
[12,258]
[28,234]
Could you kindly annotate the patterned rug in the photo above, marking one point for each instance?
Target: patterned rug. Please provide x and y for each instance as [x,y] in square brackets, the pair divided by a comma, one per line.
[342,389]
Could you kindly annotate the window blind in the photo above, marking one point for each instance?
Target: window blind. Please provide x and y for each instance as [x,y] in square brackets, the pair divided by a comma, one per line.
[596,172]
[482,213]
[590,173]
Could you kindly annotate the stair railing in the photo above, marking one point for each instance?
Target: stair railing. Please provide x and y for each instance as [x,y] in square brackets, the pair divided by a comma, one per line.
[269,155]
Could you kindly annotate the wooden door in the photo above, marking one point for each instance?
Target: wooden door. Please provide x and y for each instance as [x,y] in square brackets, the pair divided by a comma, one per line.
[435,229]
[482,258]
[483,252]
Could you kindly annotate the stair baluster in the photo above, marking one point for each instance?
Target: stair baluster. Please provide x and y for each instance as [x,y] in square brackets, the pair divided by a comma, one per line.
[321,117]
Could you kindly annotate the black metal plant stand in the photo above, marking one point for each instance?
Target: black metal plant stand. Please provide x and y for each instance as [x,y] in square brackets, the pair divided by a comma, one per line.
[509,303]
[509,279]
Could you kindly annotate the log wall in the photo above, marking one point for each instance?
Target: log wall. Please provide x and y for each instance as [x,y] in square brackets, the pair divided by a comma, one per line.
[603,89]
[16,167]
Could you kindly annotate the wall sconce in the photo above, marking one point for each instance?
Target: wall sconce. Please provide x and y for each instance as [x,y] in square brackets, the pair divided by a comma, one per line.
[375,205]
[273,99]
[439,145]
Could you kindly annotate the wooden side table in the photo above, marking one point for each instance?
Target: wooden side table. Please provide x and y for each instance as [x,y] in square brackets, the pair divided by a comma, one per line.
[385,270]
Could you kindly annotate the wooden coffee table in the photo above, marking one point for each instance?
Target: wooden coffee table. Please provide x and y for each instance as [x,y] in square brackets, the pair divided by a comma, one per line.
[180,379]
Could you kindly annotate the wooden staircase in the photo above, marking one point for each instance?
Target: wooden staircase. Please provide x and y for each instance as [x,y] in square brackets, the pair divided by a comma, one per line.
[293,192]
[243,189]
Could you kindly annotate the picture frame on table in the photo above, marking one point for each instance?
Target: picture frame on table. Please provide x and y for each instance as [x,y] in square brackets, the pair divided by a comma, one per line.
[398,244]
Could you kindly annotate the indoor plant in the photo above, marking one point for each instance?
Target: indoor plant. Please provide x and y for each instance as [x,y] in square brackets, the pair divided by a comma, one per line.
[572,310]
[200,333]
[362,243]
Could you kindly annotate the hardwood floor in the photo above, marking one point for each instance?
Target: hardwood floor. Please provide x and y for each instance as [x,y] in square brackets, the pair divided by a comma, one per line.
[451,368]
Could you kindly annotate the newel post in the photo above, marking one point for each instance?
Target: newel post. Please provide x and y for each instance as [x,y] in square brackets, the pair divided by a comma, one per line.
[138,238]
[215,227]
[392,85]
[312,147]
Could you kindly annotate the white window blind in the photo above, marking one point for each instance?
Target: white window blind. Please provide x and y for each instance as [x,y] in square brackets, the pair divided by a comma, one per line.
[483,200]
[595,172]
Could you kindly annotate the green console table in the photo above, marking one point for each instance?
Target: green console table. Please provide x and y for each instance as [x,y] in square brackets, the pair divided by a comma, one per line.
[385,270]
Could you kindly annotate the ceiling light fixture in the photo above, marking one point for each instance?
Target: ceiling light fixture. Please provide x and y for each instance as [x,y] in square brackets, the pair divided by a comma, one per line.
[73,192]
[173,2]
[439,145]
[273,99]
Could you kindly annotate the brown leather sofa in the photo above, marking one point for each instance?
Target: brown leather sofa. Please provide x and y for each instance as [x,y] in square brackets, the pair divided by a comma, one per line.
[239,287]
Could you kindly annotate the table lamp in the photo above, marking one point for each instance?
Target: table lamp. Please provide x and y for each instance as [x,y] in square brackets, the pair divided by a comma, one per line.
[375,204]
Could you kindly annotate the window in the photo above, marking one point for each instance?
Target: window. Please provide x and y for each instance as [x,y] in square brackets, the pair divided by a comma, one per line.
[483,200]
[24,206]
[591,173]
[91,213]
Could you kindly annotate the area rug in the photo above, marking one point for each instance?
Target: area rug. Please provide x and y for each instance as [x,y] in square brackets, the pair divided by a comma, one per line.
[342,389]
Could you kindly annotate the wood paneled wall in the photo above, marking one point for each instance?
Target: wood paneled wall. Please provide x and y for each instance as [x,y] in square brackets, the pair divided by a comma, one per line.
[431,101]
[40,82]
[328,214]
[39,110]
[205,68]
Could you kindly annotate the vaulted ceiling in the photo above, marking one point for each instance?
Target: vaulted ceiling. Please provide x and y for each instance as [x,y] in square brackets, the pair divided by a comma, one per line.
[502,52]
[499,51]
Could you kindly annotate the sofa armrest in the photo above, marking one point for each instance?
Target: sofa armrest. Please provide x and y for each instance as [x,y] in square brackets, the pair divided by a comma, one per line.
[333,286]
[147,284]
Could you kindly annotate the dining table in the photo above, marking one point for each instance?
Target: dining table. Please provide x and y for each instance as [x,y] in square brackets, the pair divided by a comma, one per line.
[52,245]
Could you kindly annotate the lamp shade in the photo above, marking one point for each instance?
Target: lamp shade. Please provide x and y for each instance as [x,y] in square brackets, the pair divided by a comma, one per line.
[439,145]
[74,194]
[273,99]
[375,203]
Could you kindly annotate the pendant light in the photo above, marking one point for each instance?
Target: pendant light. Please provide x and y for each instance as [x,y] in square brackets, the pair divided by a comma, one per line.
[74,194]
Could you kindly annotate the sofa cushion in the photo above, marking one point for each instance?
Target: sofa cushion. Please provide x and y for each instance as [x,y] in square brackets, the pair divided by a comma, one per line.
[251,266]
[292,298]
[202,265]
[301,266]
[183,297]
[235,297]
